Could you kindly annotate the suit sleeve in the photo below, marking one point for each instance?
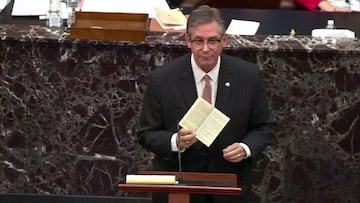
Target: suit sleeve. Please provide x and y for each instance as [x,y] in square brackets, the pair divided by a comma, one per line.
[151,133]
[261,123]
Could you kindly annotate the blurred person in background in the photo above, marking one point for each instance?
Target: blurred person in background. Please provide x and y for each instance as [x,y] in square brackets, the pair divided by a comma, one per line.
[330,5]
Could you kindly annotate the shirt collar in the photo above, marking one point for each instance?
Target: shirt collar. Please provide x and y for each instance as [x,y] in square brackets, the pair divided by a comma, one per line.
[199,73]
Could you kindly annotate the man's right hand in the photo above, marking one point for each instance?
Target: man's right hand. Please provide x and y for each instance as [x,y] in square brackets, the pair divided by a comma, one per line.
[185,138]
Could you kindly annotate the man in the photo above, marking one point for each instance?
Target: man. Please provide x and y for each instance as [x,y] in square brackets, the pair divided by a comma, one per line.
[236,90]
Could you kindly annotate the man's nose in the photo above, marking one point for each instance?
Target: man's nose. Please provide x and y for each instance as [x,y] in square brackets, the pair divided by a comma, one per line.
[205,47]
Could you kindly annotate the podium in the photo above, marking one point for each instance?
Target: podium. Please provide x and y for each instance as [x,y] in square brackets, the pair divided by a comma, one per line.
[193,183]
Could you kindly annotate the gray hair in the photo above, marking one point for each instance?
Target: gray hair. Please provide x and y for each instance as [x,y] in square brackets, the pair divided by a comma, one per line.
[203,15]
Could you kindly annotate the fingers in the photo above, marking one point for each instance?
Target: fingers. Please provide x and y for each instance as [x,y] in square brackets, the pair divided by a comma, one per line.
[234,153]
[186,138]
[235,158]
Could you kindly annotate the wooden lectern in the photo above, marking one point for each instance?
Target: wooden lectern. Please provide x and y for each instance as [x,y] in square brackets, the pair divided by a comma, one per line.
[193,183]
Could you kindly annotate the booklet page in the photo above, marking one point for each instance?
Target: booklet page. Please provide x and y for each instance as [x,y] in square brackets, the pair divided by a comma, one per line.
[205,120]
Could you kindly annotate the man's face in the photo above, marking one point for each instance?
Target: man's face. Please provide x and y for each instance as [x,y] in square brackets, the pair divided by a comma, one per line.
[206,44]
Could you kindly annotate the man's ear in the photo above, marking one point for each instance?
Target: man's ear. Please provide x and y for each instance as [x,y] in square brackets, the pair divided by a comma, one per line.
[224,40]
[187,40]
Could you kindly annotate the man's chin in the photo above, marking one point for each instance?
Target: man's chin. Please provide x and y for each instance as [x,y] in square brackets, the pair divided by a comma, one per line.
[206,59]
[206,63]
[206,66]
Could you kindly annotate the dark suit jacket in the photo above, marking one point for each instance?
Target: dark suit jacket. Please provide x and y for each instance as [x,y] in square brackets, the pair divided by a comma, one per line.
[172,91]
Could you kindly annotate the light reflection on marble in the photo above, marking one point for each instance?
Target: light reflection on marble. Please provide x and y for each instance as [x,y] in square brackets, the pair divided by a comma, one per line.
[69,108]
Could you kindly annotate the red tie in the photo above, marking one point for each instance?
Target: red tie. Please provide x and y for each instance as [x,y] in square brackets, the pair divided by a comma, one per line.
[207,89]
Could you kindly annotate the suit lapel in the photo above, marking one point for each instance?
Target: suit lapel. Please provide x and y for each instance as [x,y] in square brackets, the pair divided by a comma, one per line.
[188,88]
[187,83]
[224,84]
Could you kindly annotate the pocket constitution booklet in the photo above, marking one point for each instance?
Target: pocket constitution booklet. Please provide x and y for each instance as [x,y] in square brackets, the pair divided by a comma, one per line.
[206,120]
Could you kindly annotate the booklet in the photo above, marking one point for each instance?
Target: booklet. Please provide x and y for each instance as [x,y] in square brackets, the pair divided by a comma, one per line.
[206,120]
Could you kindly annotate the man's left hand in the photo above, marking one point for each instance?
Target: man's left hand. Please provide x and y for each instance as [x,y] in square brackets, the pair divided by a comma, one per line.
[234,153]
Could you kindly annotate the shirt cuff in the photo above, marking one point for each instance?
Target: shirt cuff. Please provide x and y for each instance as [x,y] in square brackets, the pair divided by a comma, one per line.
[246,148]
[174,147]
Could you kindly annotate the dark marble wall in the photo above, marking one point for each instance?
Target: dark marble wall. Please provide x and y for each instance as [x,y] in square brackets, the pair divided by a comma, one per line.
[69,108]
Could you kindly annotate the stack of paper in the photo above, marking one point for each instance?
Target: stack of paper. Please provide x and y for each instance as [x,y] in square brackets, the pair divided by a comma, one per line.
[30,8]
[171,18]
[333,33]
[3,4]
[36,8]
[124,6]
[242,27]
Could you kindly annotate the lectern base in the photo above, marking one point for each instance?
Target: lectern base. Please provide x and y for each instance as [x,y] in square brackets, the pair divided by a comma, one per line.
[179,198]
[181,193]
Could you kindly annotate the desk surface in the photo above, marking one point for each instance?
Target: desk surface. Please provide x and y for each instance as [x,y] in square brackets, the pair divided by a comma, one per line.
[279,22]
[273,22]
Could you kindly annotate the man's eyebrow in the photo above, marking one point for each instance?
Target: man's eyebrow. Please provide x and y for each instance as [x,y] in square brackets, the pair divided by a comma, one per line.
[213,37]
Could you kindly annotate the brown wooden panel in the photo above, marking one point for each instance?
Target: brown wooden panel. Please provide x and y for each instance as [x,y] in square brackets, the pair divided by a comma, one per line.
[232,178]
[110,26]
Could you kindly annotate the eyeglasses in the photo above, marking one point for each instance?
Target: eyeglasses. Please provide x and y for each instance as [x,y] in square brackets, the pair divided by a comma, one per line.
[211,43]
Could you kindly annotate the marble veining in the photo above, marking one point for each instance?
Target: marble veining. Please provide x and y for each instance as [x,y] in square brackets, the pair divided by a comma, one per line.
[69,110]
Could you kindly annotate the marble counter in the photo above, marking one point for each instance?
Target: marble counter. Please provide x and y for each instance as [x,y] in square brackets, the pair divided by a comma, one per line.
[69,108]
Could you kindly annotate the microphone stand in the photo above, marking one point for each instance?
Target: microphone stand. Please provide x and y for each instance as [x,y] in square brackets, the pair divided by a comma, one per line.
[180,177]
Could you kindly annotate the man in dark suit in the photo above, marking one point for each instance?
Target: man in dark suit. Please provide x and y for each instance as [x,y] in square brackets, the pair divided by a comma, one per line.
[236,90]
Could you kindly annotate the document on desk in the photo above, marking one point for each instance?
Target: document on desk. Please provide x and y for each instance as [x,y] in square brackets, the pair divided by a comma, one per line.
[3,4]
[206,120]
[242,27]
[171,18]
[124,6]
[30,8]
